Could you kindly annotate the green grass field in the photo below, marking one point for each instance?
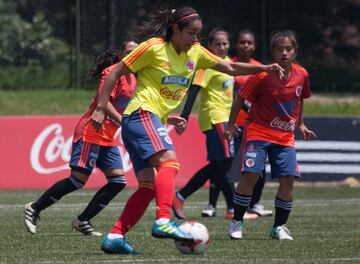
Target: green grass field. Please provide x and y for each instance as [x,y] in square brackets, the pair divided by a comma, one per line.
[324,223]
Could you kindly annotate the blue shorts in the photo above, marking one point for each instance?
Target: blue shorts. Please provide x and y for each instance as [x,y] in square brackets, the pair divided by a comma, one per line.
[217,147]
[144,135]
[85,155]
[281,158]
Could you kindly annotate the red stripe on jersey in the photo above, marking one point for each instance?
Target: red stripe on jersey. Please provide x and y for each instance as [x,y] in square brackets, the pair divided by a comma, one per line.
[217,58]
[137,53]
[199,77]
[249,86]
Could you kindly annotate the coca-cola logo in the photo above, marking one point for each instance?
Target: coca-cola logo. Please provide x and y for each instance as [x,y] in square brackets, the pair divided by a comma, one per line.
[176,95]
[283,125]
[51,151]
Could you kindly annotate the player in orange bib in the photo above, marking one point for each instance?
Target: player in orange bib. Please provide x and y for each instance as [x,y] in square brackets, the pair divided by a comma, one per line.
[276,111]
[165,64]
[91,148]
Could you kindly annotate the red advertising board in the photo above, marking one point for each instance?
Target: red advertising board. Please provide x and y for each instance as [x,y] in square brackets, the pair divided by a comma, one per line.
[35,152]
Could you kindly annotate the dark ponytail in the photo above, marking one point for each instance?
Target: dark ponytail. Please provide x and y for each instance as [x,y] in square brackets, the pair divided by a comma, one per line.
[159,23]
[104,60]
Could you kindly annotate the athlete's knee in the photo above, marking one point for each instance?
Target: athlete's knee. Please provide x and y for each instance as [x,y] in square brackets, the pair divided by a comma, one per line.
[78,183]
[162,156]
[80,174]
[171,164]
[116,182]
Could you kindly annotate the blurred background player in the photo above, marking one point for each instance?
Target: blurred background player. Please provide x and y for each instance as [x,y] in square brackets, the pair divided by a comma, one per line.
[91,147]
[245,46]
[216,92]
[276,111]
[165,65]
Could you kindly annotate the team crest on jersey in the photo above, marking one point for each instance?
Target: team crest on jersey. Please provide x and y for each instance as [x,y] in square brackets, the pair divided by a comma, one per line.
[250,163]
[190,65]
[298,90]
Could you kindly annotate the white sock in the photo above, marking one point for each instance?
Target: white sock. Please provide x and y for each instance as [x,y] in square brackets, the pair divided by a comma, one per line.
[114,236]
[162,221]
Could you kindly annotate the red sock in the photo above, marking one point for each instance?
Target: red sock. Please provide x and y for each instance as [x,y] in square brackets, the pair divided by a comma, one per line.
[135,208]
[165,187]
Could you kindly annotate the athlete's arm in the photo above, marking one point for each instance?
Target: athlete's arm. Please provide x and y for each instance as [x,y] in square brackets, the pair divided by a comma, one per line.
[190,100]
[111,112]
[241,68]
[230,129]
[307,133]
[98,115]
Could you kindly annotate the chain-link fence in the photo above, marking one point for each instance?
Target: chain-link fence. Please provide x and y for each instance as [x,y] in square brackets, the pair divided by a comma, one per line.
[52,43]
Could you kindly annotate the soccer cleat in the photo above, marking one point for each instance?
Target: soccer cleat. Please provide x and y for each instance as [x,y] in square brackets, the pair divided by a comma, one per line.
[209,211]
[170,230]
[178,208]
[252,216]
[235,229]
[259,210]
[118,246]
[84,227]
[229,215]
[280,233]
[30,217]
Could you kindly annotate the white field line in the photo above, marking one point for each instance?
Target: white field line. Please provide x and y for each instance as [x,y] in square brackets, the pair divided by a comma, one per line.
[201,204]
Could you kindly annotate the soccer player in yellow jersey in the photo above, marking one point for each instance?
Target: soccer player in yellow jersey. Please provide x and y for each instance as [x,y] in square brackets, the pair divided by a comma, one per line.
[165,65]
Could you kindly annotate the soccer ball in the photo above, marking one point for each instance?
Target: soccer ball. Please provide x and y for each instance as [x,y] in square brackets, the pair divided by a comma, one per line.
[201,235]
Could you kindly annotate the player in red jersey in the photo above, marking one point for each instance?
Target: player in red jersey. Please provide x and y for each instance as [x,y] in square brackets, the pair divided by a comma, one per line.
[90,148]
[245,46]
[276,110]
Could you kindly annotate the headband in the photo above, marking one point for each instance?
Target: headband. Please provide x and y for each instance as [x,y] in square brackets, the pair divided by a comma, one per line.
[186,17]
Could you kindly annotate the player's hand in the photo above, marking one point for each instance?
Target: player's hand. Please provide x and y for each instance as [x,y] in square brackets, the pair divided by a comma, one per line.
[307,133]
[178,122]
[97,118]
[229,132]
[275,68]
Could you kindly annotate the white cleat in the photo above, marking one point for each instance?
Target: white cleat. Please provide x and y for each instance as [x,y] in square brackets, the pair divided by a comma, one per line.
[235,229]
[259,210]
[209,211]
[30,217]
[280,233]
[84,227]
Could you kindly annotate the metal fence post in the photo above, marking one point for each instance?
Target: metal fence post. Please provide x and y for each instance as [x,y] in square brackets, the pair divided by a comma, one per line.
[78,42]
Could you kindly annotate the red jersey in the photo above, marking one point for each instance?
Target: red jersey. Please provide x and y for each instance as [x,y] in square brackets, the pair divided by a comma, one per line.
[239,82]
[276,105]
[119,98]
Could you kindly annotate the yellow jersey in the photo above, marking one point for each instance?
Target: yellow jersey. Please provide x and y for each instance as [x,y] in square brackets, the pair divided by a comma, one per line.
[216,96]
[163,75]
